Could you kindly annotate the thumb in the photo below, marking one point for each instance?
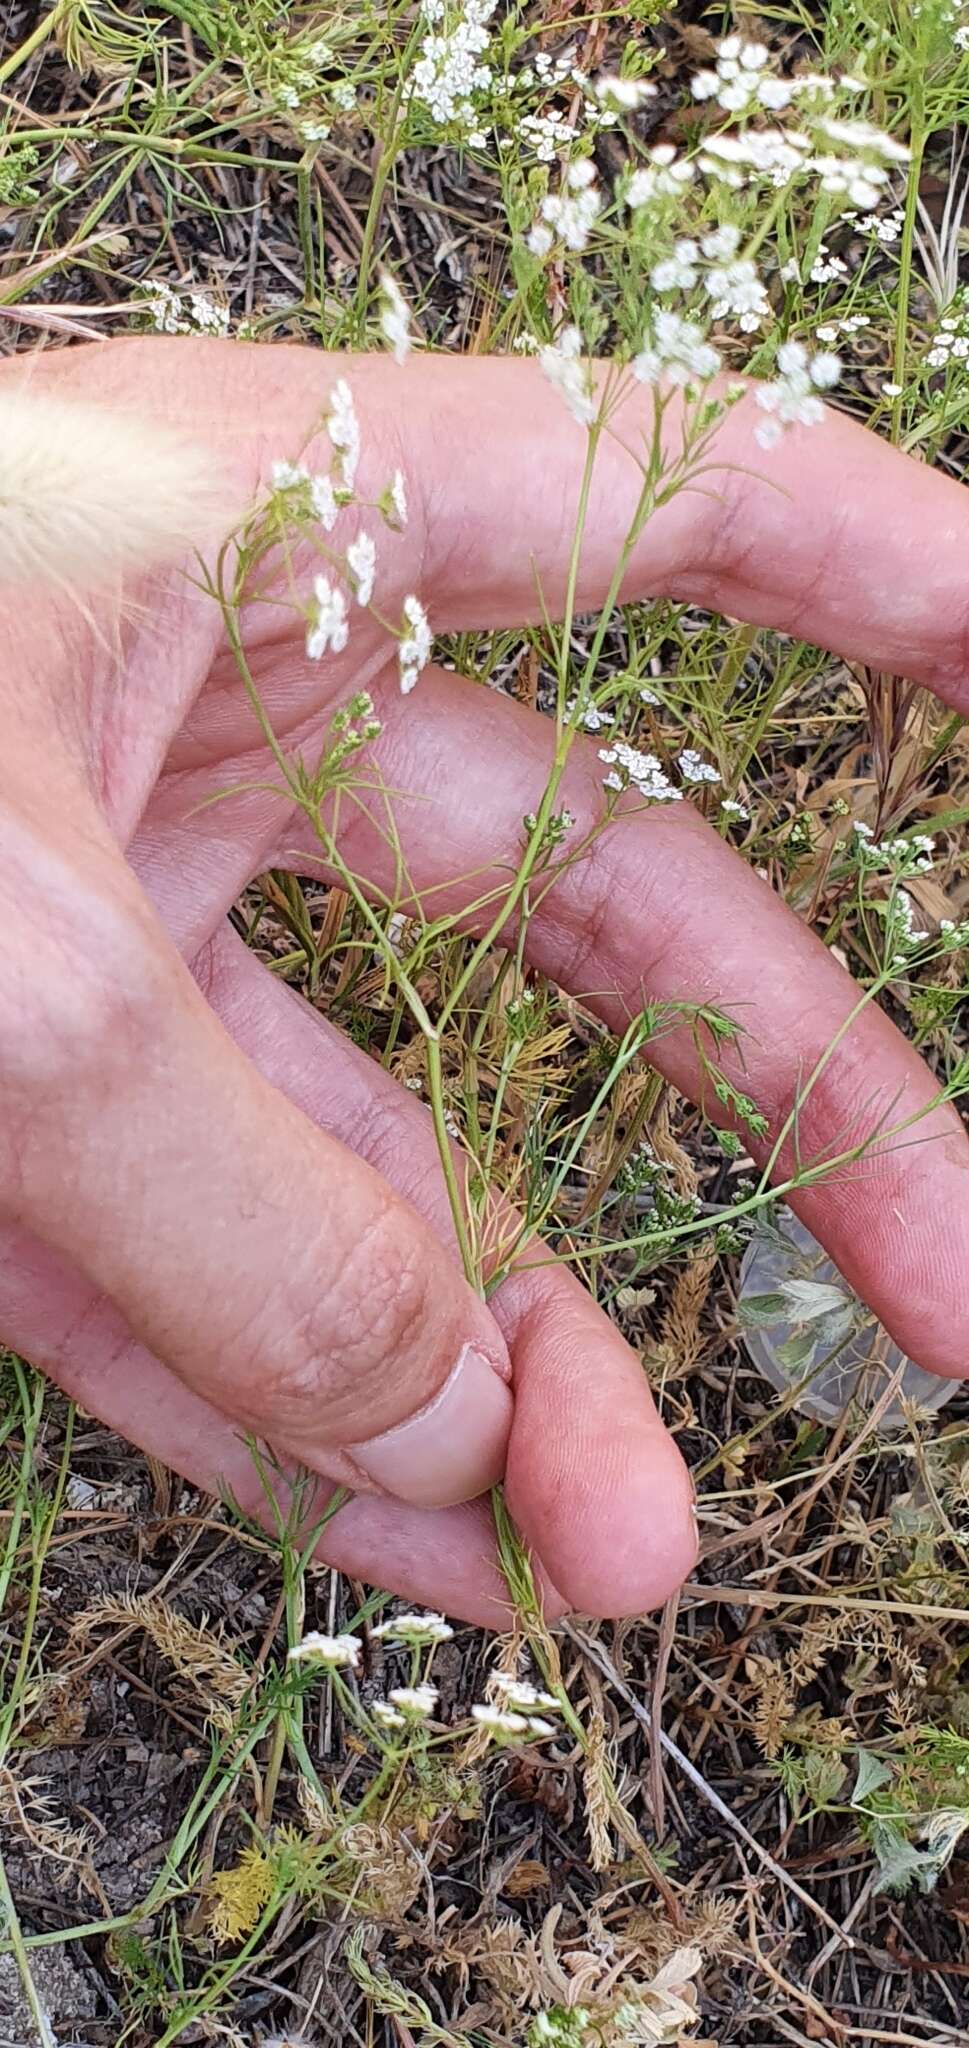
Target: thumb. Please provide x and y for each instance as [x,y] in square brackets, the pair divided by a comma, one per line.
[270,1267]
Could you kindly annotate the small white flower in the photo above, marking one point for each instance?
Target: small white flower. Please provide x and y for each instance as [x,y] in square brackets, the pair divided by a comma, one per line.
[388,1716]
[519,1692]
[209,317]
[827,269]
[344,431]
[581,175]
[398,497]
[892,390]
[540,238]
[498,1722]
[736,289]
[395,318]
[288,476]
[414,650]
[562,364]
[334,1651]
[572,214]
[639,771]
[323,501]
[825,371]
[362,563]
[452,67]
[624,92]
[775,93]
[694,768]
[721,244]
[733,809]
[664,176]
[415,1701]
[676,272]
[679,351]
[863,135]
[791,399]
[414,1628]
[330,628]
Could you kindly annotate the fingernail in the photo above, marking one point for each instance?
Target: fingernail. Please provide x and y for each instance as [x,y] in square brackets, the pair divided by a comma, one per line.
[454,1448]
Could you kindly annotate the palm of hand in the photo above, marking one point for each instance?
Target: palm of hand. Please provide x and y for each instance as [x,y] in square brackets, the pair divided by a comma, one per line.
[287,1291]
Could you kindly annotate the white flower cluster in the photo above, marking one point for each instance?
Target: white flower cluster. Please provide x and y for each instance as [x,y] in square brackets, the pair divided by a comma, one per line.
[329,627]
[903,935]
[510,1713]
[414,651]
[591,104]
[664,176]
[295,78]
[694,768]
[415,1629]
[547,133]
[912,856]
[394,318]
[571,376]
[772,155]
[406,1703]
[343,428]
[855,169]
[499,1721]
[850,323]
[888,228]
[678,351]
[903,857]
[731,282]
[826,269]
[791,399]
[570,215]
[452,65]
[742,83]
[628,768]
[323,497]
[334,1652]
[627,93]
[859,172]
[196,313]
[950,342]
[520,1692]
[361,565]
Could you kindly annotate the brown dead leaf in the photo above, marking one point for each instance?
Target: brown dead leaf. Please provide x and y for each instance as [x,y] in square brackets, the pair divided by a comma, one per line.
[527,1877]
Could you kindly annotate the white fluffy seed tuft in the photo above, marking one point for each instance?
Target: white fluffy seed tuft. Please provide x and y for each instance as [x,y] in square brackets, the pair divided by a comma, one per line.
[90,495]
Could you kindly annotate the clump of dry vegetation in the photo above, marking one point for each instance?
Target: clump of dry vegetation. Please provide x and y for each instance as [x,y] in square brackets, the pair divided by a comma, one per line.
[244,1801]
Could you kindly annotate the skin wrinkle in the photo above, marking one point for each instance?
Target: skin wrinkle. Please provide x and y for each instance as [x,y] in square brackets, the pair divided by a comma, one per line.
[579,1384]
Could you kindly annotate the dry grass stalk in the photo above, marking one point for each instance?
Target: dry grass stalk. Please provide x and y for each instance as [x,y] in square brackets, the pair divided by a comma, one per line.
[196,1652]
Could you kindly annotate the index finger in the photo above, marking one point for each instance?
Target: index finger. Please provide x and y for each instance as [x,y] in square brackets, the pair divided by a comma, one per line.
[833,535]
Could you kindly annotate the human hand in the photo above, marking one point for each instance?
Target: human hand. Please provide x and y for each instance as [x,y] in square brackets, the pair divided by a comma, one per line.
[198,1229]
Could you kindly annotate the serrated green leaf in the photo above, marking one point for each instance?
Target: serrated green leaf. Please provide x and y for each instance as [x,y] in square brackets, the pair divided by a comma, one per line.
[872,1774]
